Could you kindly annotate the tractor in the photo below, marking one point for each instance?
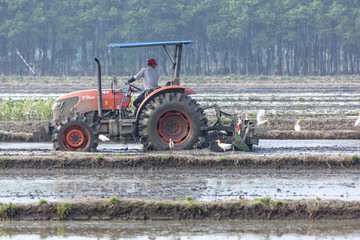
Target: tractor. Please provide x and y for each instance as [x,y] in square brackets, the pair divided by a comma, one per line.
[166,114]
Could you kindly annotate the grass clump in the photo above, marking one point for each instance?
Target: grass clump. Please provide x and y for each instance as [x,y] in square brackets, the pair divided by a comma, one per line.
[318,199]
[4,161]
[164,160]
[1,134]
[43,201]
[100,157]
[113,200]
[193,207]
[354,159]
[119,155]
[188,198]
[254,99]
[221,159]
[278,203]
[63,210]
[7,210]
[264,199]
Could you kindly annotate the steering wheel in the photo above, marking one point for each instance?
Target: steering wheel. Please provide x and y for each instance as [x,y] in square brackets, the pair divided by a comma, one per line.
[134,88]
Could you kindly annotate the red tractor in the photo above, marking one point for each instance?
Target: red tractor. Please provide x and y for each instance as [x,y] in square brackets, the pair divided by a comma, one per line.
[167,114]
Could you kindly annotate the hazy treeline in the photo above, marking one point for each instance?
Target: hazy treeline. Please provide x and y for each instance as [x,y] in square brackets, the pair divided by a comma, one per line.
[267,37]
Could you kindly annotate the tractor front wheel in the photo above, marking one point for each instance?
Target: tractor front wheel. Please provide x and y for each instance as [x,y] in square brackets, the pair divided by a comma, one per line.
[75,134]
[172,117]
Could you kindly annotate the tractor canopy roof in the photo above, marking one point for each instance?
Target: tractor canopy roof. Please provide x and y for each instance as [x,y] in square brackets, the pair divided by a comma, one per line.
[147,44]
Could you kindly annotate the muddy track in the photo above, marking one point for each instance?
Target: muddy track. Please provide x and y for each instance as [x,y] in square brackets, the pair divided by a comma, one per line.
[332,128]
[165,161]
[180,210]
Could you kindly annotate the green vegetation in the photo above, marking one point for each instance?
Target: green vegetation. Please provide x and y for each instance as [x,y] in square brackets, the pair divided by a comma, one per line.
[164,160]
[264,199]
[254,99]
[68,51]
[1,134]
[100,157]
[354,159]
[43,201]
[178,199]
[193,207]
[282,99]
[4,161]
[318,199]
[29,109]
[301,99]
[256,203]
[114,200]
[165,205]
[221,159]
[63,210]
[188,198]
[119,154]
[7,210]
[278,203]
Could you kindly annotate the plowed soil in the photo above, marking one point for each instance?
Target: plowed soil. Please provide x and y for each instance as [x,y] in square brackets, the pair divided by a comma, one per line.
[180,210]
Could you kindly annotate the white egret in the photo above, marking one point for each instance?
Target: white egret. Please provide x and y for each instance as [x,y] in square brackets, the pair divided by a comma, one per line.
[261,117]
[297,126]
[171,144]
[357,123]
[224,146]
[104,138]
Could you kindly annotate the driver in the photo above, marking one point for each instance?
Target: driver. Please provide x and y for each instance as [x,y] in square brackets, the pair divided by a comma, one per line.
[151,77]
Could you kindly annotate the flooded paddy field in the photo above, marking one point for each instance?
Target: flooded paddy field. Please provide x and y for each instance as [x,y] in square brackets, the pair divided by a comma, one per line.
[327,106]
[30,185]
[180,230]
[265,147]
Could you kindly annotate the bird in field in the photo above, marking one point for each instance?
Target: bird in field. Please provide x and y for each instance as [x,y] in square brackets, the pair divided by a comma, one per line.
[261,117]
[224,146]
[297,126]
[357,123]
[171,144]
[104,138]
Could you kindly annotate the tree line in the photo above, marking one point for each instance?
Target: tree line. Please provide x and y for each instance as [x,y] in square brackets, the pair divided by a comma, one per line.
[247,37]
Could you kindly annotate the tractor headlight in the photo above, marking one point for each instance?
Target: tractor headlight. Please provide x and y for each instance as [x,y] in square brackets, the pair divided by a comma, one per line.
[57,105]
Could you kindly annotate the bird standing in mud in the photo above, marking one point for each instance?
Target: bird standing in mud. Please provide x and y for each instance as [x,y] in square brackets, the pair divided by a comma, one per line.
[171,144]
[297,126]
[104,138]
[357,123]
[261,117]
[224,146]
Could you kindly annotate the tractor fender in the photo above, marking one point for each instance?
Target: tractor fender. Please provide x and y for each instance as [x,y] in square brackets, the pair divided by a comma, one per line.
[162,90]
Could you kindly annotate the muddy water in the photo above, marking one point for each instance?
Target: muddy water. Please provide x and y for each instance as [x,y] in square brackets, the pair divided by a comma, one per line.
[265,147]
[193,230]
[64,185]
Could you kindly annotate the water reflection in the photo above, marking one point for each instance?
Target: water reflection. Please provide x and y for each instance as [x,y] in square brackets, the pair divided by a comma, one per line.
[181,230]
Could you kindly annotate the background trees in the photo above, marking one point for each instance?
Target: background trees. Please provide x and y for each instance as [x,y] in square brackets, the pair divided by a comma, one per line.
[267,37]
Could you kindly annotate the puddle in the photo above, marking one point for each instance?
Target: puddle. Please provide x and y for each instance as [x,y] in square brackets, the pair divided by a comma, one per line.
[29,186]
[181,230]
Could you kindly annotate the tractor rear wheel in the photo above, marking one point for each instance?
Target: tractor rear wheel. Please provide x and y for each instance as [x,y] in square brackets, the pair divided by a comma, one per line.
[172,117]
[75,134]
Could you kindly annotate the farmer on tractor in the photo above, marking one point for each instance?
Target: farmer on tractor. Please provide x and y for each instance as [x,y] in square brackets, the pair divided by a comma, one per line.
[151,77]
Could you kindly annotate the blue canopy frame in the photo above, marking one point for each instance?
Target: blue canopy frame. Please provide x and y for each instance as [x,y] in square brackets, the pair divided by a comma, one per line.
[176,60]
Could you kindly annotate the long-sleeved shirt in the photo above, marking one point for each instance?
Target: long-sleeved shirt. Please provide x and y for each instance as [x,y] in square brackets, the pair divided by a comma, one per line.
[151,77]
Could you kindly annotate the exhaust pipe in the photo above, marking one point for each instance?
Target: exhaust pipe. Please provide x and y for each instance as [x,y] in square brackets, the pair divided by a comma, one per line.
[98,70]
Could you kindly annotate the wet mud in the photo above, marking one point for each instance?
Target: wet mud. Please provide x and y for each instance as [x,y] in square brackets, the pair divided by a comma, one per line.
[131,209]
[177,160]
[332,128]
